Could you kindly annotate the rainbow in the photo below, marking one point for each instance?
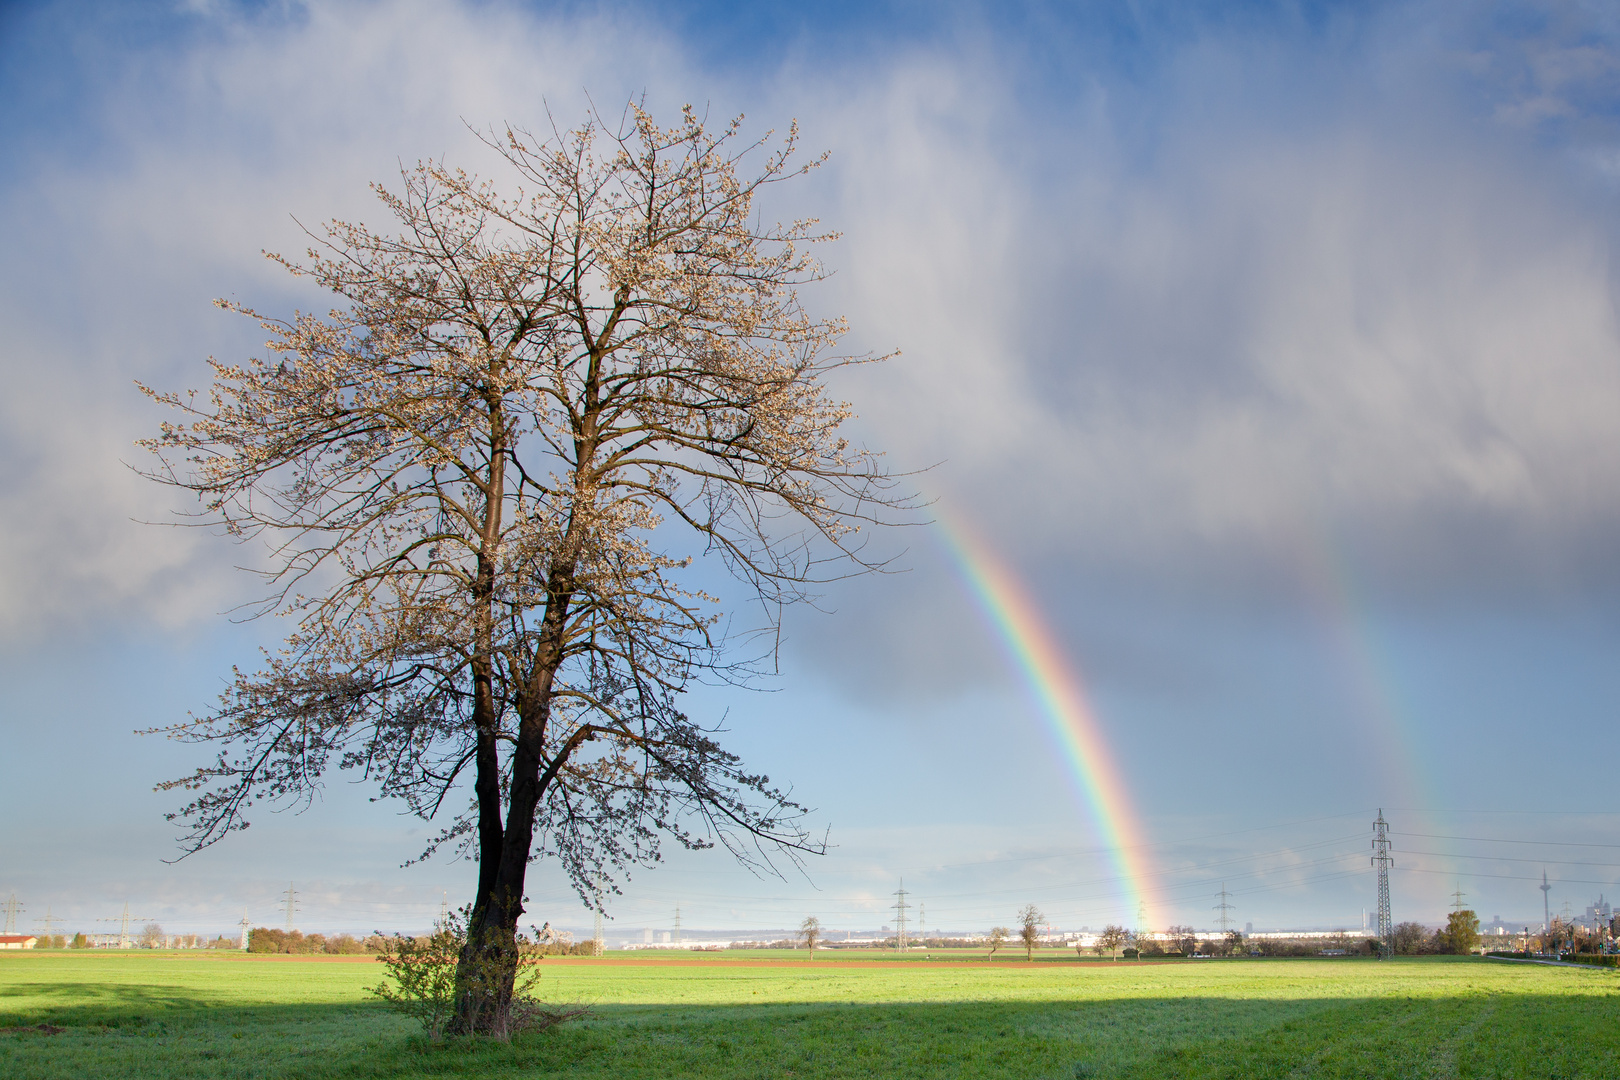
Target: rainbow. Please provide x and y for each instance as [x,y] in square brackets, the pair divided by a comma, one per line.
[1364,664]
[1056,688]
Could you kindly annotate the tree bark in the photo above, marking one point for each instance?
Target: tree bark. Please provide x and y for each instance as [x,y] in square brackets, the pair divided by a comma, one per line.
[487,971]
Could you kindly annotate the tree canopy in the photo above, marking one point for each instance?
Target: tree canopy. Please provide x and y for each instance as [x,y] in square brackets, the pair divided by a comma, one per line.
[484,478]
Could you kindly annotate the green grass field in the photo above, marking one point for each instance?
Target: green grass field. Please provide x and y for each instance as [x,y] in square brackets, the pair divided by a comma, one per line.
[227,1015]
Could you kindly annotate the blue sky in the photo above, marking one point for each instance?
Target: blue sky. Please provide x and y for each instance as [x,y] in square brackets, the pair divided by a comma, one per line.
[1275,345]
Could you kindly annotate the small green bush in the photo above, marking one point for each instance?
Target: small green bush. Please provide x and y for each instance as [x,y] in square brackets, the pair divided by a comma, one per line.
[426,986]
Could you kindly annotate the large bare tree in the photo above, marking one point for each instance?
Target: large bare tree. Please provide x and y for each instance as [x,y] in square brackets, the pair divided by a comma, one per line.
[484,476]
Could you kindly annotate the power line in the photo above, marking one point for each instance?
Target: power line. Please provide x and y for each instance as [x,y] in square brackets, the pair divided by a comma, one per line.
[1504,877]
[1500,840]
[1510,858]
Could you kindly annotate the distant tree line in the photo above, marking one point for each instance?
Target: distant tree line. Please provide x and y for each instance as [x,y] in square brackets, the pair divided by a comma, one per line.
[1458,937]
[262,939]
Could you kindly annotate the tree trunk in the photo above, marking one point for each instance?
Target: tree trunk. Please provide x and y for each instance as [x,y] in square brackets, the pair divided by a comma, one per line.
[487,972]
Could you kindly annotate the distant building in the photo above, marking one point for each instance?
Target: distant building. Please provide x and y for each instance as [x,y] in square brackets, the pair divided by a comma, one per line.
[1598,914]
[17,941]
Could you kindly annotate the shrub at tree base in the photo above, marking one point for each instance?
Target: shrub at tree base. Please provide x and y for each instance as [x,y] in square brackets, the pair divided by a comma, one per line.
[432,974]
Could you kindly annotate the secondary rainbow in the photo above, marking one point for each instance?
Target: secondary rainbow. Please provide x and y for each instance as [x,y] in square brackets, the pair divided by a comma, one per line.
[1057,690]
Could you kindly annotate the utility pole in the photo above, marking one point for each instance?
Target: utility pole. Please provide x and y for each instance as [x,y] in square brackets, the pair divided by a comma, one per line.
[1224,921]
[1381,859]
[12,908]
[1546,912]
[900,909]
[292,905]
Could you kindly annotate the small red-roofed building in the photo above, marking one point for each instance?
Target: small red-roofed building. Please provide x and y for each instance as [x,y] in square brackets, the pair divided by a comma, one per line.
[17,941]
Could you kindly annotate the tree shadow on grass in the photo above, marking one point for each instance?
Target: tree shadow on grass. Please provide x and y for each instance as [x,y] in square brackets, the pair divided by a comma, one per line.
[171,1033]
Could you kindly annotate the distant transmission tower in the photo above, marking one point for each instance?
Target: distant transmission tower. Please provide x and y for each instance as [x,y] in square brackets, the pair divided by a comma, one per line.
[12,908]
[1382,860]
[1224,921]
[1546,912]
[596,936]
[900,909]
[444,907]
[292,905]
[123,922]
[48,923]
[1457,898]
[922,918]
[677,924]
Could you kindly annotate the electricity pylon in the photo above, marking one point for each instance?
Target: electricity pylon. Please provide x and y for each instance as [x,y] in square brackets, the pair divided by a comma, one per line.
[1457,898]
[48,923]
[1381,859]
[596,936]
[900,909]
[292,905]
[12,908]
[123,922]
[1224,920]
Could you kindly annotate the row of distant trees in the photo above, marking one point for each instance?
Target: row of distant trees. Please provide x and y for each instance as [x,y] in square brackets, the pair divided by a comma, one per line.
[1566,936]
[151,936]
[263,939]
[1459,936]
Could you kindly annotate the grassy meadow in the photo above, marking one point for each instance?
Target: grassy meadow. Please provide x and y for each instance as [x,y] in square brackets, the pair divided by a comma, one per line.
[193,1014]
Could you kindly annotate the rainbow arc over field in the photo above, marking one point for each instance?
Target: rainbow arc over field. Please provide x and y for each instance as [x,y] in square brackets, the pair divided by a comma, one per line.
[1057,689]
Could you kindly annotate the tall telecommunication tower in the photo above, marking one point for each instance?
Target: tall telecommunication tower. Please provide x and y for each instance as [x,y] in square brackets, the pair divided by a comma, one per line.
[900,909]
[1224,921]
[1381,859]
[246,924]
[1546,912]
